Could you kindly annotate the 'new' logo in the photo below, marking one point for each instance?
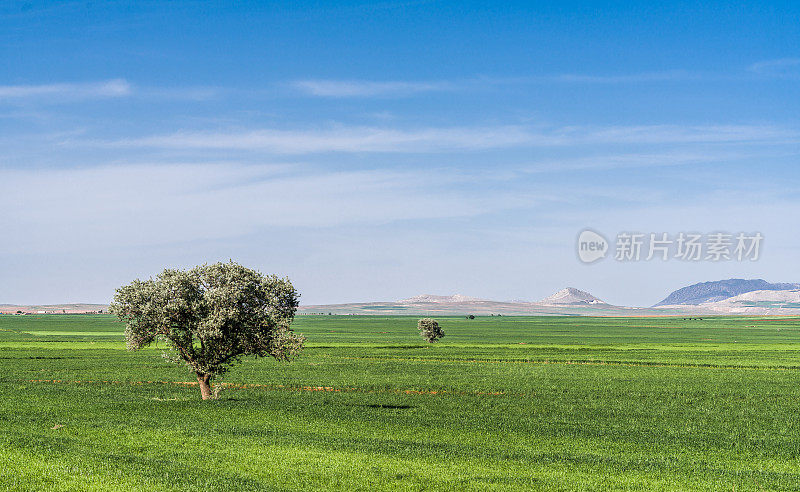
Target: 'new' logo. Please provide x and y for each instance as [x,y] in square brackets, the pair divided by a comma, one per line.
[591,246]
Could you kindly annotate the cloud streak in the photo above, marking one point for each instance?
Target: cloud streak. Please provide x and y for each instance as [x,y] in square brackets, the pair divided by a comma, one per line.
[783,67]
[634,78]
[451,139]
[397,88]
[135,205]
[640,160]
[67,91]
[366,88]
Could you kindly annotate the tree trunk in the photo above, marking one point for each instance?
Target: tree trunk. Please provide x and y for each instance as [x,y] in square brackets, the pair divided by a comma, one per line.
[205,385]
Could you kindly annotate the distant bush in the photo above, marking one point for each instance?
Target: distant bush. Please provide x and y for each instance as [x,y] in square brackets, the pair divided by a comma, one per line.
[430,330]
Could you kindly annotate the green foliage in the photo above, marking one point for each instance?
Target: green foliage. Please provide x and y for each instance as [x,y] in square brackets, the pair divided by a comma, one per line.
[211,315]
[430,330]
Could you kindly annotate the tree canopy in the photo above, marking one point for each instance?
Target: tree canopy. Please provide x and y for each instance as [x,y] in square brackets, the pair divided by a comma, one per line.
[430,330]
[211,316]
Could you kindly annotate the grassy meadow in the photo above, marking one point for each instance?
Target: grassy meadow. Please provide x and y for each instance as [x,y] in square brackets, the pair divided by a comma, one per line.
[501,403]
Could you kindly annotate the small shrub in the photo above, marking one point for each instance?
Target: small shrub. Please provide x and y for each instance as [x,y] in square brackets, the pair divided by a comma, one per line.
[430,330]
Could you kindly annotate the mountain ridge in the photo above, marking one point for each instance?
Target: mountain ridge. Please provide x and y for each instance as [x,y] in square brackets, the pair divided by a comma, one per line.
[719,290]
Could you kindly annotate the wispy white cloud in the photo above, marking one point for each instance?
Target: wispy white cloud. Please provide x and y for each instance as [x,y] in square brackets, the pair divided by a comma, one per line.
[114,88]
[179,93]
[339,139]
[671,134]
[367,88]
[399,88]
[331,231]
[632,78]
[67,91]
[643,160]
[783,67]
[450,139]
[129,205]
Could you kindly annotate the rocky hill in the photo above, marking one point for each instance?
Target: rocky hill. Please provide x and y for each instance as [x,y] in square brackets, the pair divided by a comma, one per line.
[720,290]
[759,302]
[571,295]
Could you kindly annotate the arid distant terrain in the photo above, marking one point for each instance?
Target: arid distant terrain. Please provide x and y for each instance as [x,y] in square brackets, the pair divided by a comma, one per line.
[571,301]
[725,297]
[54,309]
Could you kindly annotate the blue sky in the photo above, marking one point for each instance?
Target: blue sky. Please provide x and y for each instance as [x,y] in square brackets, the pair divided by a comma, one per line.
[378,151]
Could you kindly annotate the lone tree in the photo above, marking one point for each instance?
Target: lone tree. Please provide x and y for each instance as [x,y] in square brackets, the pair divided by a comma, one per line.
[430,330]
[211,316]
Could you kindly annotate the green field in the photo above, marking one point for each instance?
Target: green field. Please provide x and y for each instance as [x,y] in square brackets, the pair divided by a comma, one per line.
[543,403]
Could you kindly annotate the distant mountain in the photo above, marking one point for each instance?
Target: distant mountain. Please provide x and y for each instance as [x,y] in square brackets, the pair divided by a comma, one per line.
[759,302]
[424,298]
[571,295]
[573,302]
[720,290]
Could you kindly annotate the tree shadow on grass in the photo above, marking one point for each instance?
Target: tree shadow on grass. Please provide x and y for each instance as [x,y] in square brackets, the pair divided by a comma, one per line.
[36,358]
[389,406]
[402,347]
